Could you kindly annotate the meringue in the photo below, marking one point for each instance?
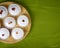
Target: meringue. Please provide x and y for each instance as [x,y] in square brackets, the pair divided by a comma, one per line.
[9,22]
[22,20]
[14,9]
[17,33]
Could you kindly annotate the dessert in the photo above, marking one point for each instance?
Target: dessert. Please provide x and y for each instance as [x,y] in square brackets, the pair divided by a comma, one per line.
[17,33]
[15,22]
[14,9]
[4,33]
[22,21]
[9,22]
[3,12]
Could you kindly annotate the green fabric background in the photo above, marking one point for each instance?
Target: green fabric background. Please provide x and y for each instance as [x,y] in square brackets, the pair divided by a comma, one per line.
[45,30]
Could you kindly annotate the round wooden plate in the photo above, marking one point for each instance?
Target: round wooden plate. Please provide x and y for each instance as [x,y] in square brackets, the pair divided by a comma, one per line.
[25,29]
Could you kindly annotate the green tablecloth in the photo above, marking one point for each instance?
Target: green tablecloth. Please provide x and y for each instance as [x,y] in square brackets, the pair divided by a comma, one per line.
[45,30]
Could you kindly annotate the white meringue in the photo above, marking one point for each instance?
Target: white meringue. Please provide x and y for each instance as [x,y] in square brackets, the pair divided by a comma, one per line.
[9,22]
[22,20]
[4,33]
[17,33]
[14,9]
[3,12]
